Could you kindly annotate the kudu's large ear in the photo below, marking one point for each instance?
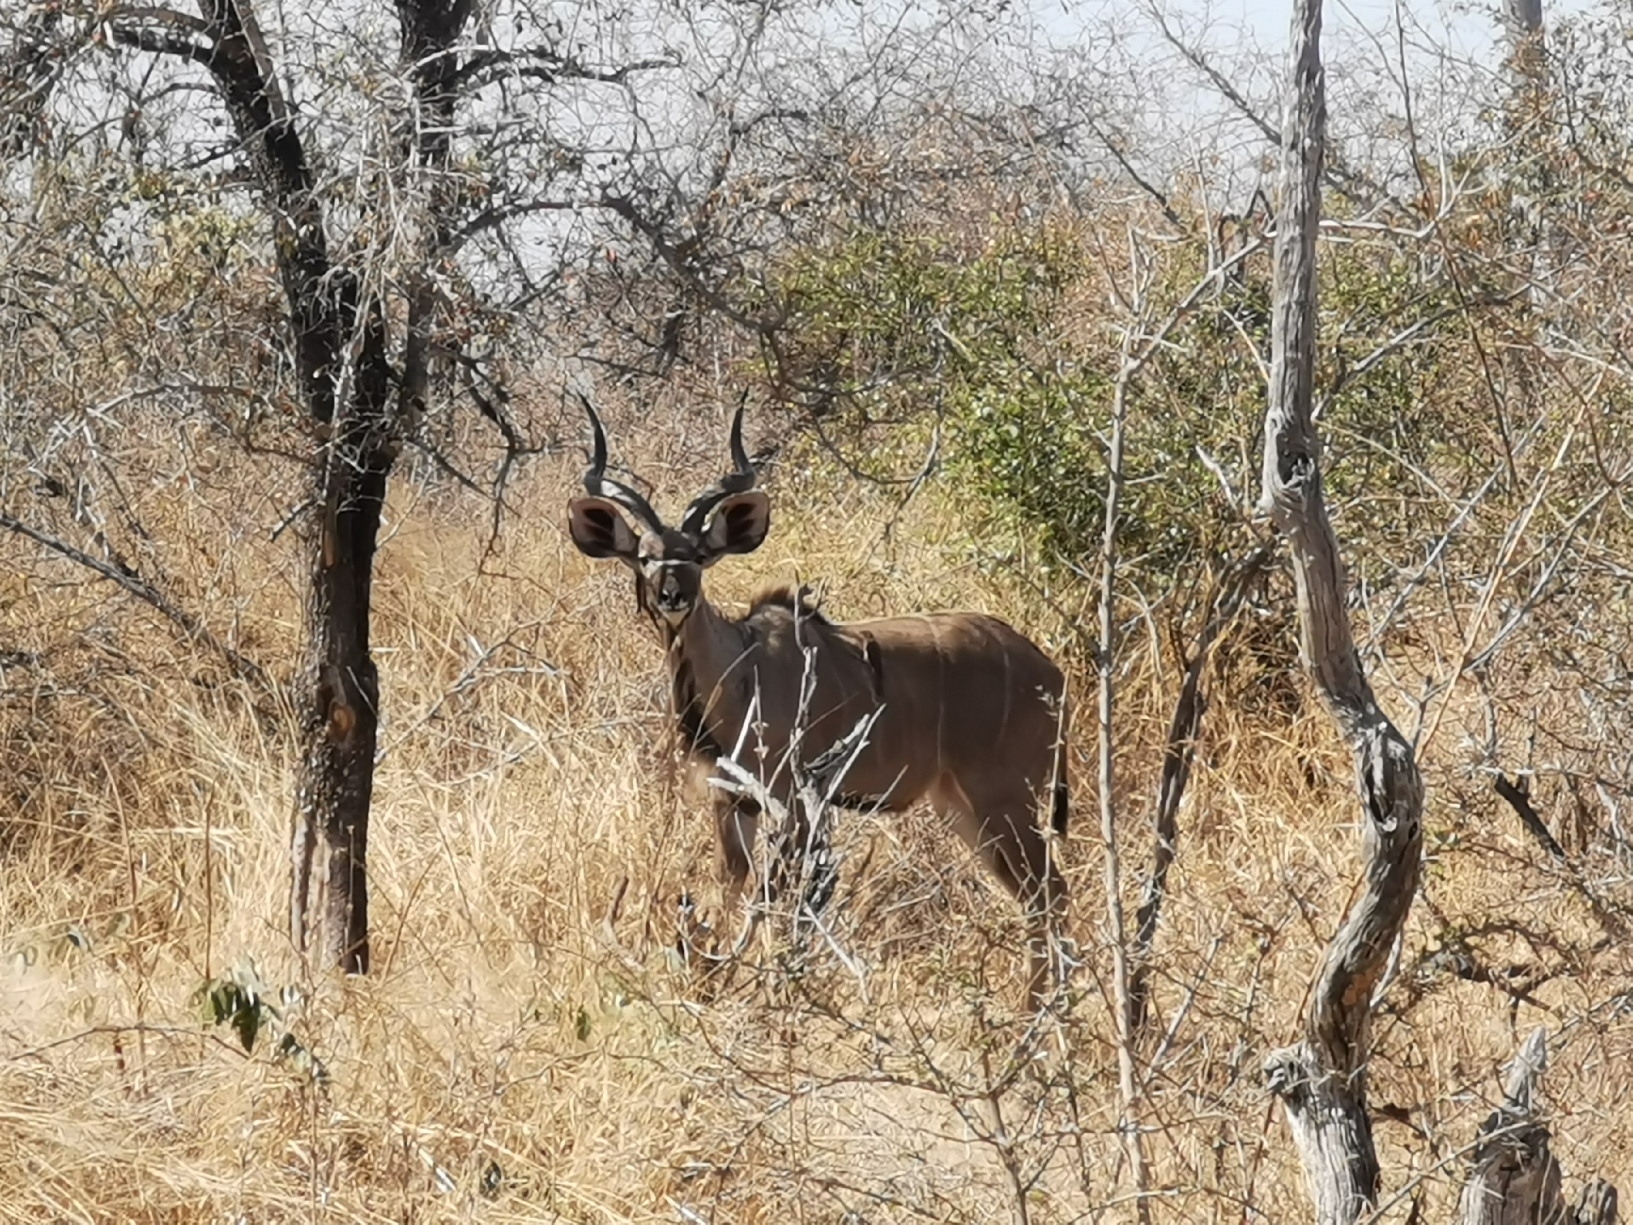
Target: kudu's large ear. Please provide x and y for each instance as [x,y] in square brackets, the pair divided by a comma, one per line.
[599,530]
[738,525]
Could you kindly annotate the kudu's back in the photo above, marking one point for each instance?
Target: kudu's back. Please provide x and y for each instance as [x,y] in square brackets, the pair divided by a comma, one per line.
[967,702]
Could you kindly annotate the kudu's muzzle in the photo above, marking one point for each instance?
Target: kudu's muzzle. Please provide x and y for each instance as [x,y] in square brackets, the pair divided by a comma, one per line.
[674,586]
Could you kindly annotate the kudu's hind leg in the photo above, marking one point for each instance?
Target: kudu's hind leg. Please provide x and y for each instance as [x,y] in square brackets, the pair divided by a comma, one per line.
[1001,825]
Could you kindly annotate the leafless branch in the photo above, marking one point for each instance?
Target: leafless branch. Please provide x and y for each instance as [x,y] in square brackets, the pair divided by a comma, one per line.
[242,667]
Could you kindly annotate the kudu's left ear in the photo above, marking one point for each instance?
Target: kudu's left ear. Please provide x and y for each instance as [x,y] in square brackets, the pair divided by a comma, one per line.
[739,525]
[599,530]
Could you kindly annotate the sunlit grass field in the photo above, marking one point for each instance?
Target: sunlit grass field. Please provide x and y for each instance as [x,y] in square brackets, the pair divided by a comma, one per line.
[533,1044]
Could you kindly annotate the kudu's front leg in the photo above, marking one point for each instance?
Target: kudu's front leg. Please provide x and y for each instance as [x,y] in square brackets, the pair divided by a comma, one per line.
[737,825]
[714,938]
[779,868]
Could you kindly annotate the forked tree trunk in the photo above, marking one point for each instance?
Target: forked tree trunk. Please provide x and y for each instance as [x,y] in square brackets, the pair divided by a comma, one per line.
[355,409]
[1321,1080]
[345,383]
[340,692]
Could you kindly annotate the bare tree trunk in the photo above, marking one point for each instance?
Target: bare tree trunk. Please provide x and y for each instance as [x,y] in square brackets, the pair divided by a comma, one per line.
[340,357]
[340,691]
[340,346]
[356,409]
[340,713]
[1321,1080]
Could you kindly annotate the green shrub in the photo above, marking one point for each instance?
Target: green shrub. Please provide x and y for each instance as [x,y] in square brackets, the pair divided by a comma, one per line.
[1005,344]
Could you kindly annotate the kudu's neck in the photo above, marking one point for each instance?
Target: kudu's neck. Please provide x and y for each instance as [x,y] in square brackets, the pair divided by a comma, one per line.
[705,654]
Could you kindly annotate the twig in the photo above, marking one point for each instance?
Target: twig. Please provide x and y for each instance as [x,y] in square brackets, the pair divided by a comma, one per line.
[1519,800]
[1127,1085]
[242,667]
[1178,754]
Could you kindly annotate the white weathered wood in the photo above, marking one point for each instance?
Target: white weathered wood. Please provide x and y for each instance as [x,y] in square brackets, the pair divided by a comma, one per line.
[1514,1178]
[1321,1080]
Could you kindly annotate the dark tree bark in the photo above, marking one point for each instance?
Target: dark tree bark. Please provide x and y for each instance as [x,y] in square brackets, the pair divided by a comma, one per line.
[349,323]
[340,347]
[1524,21]
[1178,754]
[356,408]
[1321,1080]
[339,700]
[1524,16]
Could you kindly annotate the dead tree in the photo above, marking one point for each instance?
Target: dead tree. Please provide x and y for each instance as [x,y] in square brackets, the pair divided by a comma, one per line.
[1321,1079]
[1515,1179]
[378,326]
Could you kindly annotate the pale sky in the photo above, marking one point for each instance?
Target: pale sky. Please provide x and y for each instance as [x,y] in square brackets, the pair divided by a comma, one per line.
[1466,27]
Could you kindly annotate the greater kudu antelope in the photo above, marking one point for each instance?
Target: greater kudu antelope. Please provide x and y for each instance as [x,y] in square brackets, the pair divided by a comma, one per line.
[971,715]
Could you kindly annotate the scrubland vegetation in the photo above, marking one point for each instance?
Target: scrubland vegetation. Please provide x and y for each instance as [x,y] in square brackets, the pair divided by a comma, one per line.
[930,384]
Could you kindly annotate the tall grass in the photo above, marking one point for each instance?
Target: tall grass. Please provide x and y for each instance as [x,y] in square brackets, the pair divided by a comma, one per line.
[532,1046]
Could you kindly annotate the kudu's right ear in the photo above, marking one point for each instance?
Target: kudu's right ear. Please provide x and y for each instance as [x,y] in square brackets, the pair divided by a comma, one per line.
[599,530]
[739,525]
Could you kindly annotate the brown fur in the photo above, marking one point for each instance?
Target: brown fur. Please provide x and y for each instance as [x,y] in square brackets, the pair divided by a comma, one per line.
[796,597]
[971,722]
[970,713]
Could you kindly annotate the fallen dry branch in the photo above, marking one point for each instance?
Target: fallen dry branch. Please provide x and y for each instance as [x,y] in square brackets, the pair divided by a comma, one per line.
[1519,799]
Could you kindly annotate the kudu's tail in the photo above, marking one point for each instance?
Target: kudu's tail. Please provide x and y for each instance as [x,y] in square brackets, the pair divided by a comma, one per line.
[1060,801]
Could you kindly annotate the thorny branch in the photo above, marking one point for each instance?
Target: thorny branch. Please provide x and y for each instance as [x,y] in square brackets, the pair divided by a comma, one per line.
[242,667]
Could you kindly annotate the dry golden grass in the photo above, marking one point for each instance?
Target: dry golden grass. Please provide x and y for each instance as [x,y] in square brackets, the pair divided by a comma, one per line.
[527,1051]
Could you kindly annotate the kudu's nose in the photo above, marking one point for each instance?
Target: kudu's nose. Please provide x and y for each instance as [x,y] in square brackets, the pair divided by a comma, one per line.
[672,596]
